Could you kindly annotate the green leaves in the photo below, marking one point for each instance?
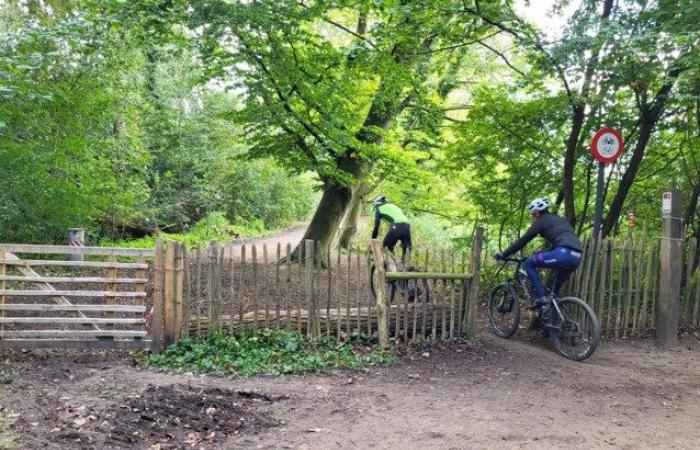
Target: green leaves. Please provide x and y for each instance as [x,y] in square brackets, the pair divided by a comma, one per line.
[264,352]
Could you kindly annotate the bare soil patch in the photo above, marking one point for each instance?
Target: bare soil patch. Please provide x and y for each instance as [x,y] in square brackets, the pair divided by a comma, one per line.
[489,393]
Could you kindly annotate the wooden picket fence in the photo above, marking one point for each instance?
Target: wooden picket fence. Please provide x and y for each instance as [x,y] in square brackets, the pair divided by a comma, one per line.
[620,280]
[52,302]
[253,286]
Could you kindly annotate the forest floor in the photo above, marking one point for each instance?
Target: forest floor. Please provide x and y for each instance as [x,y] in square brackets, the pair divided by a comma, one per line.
[488,393]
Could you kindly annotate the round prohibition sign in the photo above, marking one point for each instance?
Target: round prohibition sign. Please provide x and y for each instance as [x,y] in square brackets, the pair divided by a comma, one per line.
[607,145]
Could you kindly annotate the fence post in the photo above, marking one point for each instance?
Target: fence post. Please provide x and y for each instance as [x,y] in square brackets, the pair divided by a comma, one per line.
[178,280]
[76,238]
[169,315]
[311,325]
[213,307]
[671,270]
[470,310]
[382,312]
[157,331]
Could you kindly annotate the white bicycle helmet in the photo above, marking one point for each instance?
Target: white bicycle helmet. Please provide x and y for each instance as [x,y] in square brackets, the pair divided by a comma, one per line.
[538,205]
[380,200]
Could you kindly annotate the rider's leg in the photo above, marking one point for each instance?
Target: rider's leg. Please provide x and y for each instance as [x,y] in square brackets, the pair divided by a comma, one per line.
[559,258]
[566,271]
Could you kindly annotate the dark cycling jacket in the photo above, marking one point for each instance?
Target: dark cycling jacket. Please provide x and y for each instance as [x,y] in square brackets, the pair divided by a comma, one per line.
[556,230]
[389,212]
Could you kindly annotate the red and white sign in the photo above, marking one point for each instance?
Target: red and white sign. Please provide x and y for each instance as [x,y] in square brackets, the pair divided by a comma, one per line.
[607,145]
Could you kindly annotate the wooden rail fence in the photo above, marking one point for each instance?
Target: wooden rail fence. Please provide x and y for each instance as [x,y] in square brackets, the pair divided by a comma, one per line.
[228,288]
[71,306]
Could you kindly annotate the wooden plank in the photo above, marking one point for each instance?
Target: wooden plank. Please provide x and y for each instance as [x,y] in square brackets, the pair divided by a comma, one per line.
[70,308]
[242,291]
[452,298]
[49,293]
[157,324]
[141,285]
[188,293]
[609,318]
[266,288]
[638,287]
[178,287]
[256,287]
[71,320]
[337,290]
[462,286]
[424,304]
[312,326]
[329,293]
[696,302]
[169,294]
[278,286]
[358,288]
[69,250]
[211,294]
[10,334]
[620,289]
[646,291]
[28,271]
[288,288]
[199,295]
[79,344]
[629,288]
[347,292]
[475,265]
[688,291]
[415,255]
[604,275]
[111,286]
[383,319]
[25,279]
[368,293]
[91,264]
[443,297]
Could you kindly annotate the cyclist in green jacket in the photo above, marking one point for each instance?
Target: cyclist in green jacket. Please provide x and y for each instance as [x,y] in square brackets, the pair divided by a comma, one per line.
[399,229]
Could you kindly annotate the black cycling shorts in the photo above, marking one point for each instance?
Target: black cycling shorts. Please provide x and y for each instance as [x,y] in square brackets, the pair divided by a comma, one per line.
[398,232]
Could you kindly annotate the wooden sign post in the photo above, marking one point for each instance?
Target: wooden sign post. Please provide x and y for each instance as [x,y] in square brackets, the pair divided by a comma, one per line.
[671,268]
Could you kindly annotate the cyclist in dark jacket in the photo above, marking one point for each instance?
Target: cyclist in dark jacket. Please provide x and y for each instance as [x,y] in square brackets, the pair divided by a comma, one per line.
[564,254]
[399,229]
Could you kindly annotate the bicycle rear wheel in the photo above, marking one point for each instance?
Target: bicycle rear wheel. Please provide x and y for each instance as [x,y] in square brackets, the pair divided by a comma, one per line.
[576,333]
[504,310]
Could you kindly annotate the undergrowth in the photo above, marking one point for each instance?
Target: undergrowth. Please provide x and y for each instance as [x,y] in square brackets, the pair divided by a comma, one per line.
[265,352]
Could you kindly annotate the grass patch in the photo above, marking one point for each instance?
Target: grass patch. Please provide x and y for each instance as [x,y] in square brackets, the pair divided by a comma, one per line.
[265,352]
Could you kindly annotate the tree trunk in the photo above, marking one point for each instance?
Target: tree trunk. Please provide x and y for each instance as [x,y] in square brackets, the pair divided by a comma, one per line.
[649,118]
[334,202]
[352,216]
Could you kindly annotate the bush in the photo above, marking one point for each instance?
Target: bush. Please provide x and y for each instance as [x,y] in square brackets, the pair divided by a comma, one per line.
[264,352]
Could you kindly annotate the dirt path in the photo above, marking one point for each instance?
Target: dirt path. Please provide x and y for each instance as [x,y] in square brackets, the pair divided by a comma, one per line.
[490,394]
[291,235]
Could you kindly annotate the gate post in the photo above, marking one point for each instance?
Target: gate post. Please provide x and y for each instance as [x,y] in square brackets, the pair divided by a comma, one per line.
[2,286]
[157,328]
[671,270]
[382,312]
[76,238]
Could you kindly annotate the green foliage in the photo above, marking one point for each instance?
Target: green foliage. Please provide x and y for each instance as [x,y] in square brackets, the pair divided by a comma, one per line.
[264,352]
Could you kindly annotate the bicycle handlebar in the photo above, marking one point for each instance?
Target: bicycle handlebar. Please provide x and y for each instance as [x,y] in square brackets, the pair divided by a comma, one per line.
[511,259]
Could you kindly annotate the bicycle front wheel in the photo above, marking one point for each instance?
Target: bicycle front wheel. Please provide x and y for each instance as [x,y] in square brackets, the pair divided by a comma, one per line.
[576,333]
[504,310]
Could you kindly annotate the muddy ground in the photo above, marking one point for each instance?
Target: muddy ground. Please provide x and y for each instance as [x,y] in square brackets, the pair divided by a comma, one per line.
[490,393]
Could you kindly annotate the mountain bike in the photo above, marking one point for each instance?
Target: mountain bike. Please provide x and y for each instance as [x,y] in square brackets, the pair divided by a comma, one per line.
[570,323]
[409,290]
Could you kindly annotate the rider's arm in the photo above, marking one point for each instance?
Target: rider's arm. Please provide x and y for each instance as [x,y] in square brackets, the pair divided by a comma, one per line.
[377,220]
[529,235]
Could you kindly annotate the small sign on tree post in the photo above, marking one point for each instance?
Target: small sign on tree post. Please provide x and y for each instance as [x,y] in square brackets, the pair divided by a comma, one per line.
[606,148]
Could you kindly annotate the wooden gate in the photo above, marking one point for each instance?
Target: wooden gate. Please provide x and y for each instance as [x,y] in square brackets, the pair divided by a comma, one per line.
[96,303]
